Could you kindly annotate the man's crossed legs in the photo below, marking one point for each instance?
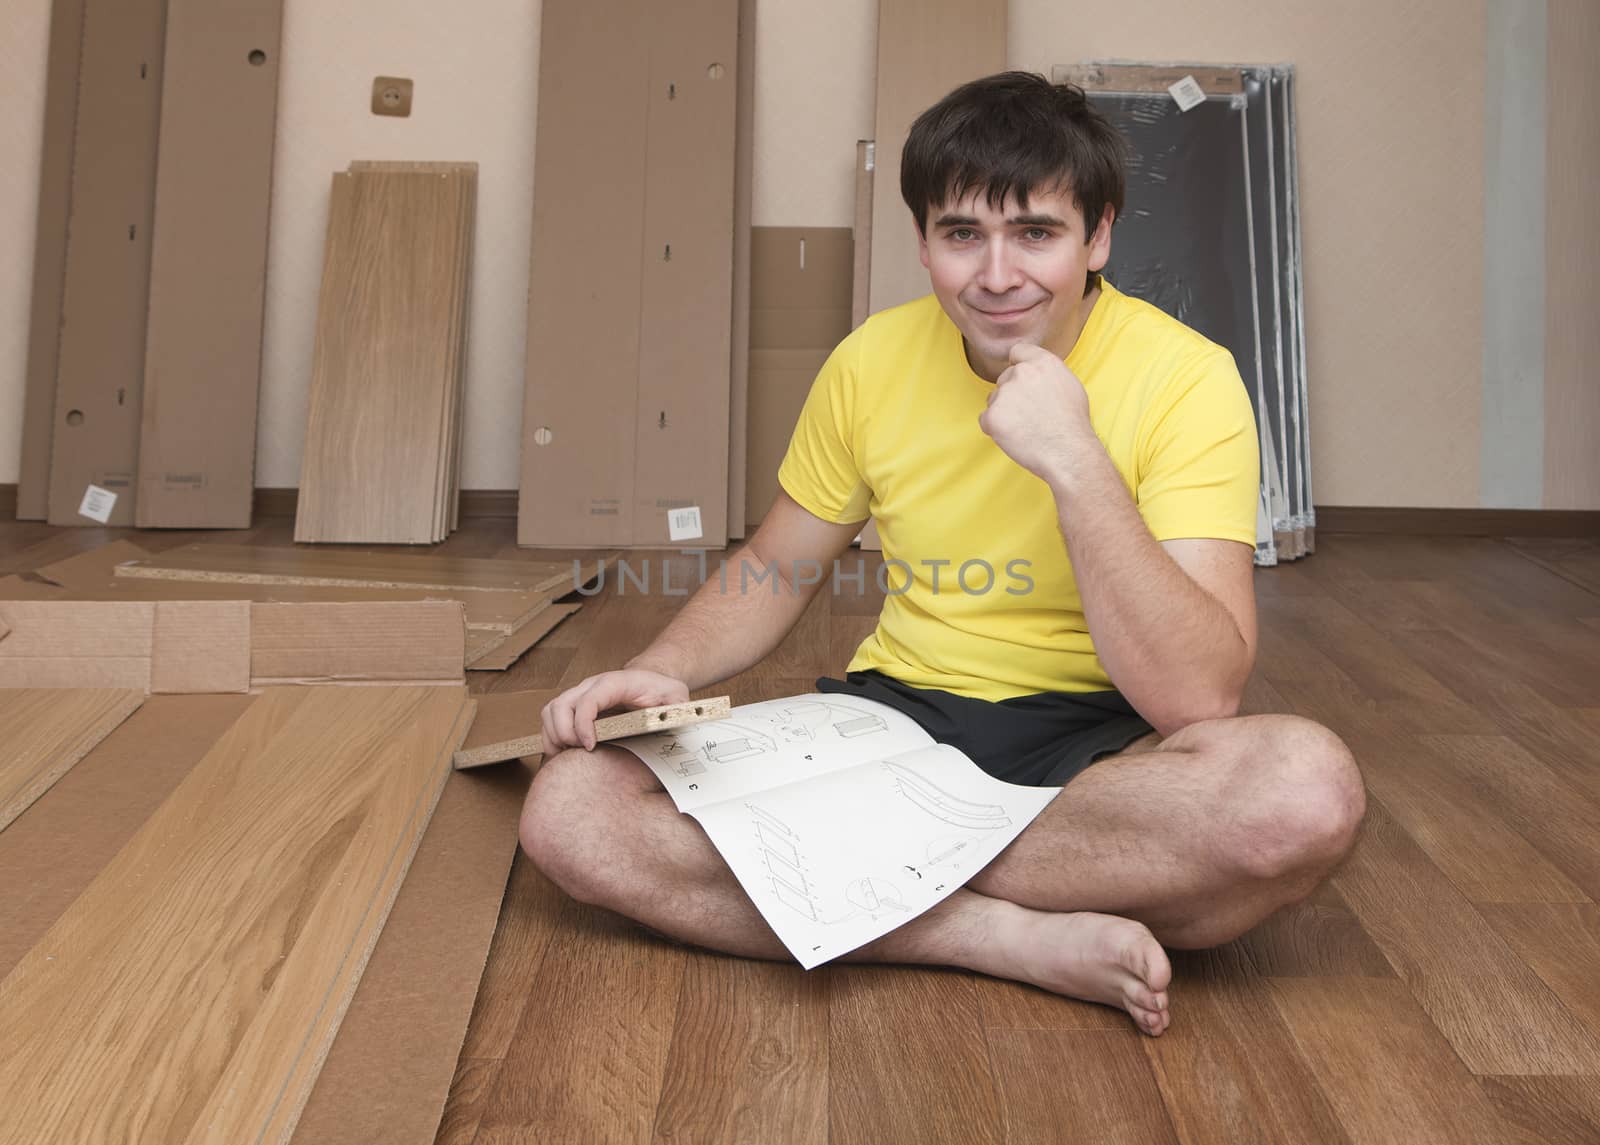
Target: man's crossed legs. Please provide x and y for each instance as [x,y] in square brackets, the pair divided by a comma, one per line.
[1187,842]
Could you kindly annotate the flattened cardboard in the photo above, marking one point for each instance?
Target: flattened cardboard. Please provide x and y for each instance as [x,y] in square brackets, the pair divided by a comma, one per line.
[800,310]
[388,1074]
[100,371]
[926,48]
[662,349]
[201,646]
[506,652]
[64,644]
[202,365]
[423,642]
[743,193]
[49,256]
[577,480]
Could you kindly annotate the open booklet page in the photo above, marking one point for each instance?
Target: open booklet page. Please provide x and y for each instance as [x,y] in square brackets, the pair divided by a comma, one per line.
[839,816]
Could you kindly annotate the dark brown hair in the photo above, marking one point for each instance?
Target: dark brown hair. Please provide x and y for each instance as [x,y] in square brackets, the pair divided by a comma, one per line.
[1015,133]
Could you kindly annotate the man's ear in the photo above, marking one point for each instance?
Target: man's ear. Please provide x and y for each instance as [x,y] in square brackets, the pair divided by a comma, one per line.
[1100,241]
[922,243]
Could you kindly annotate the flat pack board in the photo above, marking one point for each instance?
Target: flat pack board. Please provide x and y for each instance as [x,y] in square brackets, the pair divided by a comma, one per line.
[208,270]
[926,48]
[387,1075]
[507,650]
[380,423]
[626,410]
[100,367]
[92,576]
[506,723]
[358,569]
[800,310]
[44,731]
[49,256]
[330,790]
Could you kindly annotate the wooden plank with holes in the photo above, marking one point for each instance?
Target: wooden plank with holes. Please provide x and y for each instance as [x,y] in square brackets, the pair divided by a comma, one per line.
[183,993]
[505,711]
[44,731]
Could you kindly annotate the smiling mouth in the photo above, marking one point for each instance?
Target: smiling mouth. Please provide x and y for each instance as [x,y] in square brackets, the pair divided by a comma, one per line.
[1005,315]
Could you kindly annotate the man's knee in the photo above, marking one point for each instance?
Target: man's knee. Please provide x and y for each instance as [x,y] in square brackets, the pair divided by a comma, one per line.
[564,818]
[1304,819]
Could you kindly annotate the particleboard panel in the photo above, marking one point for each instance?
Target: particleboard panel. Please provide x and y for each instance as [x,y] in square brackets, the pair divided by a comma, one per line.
[185,995]
[95,427]
[390,319]
[242,563]
[49,256]
[44,731]
[92,576]
[926,48]
[514,716]
[1147,78]
[577,477]
[503,653]
[333,643]
[202,364]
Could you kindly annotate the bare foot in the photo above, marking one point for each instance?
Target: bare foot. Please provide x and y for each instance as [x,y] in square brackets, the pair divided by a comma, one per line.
[1096,957]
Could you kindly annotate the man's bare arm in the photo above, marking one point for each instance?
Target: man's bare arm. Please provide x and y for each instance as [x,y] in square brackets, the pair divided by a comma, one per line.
[1172,647]
[730,623]
[724,629]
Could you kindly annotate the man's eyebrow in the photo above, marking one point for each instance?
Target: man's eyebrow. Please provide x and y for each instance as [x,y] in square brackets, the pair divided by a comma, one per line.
[956,221]
[1036,221]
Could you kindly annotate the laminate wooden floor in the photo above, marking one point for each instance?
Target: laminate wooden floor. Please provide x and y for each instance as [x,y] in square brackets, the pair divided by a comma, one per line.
[1441,986]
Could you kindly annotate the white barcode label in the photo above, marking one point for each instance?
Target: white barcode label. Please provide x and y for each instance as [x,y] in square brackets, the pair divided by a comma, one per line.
[684,524]
[97,504]
[1187,94]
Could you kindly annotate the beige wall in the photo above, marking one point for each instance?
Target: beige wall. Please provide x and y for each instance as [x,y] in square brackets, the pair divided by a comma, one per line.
[1393,204]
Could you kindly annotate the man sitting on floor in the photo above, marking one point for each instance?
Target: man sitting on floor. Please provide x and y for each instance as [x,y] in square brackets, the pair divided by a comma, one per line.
[1099,460]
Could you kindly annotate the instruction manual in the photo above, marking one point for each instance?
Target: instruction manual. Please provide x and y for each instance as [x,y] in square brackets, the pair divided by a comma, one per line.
[840,817]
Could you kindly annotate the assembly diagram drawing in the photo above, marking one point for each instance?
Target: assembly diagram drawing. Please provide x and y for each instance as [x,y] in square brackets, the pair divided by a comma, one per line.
[785,865]
[941,804]
[764,729]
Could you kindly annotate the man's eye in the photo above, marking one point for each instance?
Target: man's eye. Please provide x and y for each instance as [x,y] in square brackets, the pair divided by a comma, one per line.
[963,234]
[1036,234]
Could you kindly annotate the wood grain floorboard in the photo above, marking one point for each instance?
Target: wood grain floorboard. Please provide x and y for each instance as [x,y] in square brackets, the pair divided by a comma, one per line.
[590,1052]
[44,731]
[908,1058]
[1227,1068]
[1426,654]
[749,1055]
[1077,1087]
[1363,1036]
[1496,1013]
[182,994]
[1547,1110]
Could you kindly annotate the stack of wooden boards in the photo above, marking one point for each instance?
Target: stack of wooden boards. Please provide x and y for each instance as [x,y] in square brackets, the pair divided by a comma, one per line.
[192,913]
[507,605]
[144,346]
[382,456]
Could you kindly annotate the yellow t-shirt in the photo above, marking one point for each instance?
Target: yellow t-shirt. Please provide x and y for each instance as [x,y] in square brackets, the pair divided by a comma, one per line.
[890,429]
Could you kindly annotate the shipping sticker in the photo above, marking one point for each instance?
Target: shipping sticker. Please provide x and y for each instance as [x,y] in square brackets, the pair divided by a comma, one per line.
[97,504]
[1187,94]
[684,524]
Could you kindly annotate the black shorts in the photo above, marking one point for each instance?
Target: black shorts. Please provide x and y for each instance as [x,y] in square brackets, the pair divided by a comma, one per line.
[1040,740]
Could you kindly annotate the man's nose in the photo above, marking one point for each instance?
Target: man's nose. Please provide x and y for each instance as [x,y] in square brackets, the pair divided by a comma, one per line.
[1000,271]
